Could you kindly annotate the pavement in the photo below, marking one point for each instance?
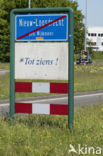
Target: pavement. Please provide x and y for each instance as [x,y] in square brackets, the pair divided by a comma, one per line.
[80,100]
[4,71]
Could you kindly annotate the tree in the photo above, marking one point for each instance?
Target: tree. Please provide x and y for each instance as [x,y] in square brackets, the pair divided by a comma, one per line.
[78,18]
[4,36]
[7,6]
[90,45]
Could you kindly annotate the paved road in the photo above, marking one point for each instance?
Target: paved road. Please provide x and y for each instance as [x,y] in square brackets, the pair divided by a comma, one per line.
[79,100]
[97,63]
[2,72]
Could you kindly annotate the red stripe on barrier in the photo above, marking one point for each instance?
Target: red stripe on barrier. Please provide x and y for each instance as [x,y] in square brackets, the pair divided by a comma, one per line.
[59,88]
[56,109]
[23,108]
[23,86]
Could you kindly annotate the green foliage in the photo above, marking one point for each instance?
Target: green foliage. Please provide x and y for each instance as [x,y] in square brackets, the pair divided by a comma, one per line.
[4,66]
[90,45]
[97,56]
[7,6]
[76,56]
[88,78]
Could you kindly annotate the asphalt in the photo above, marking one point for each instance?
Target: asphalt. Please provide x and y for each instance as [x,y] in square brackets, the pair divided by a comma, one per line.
[80,99]
[4,71]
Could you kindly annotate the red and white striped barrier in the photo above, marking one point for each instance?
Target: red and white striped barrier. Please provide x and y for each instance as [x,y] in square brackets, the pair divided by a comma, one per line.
[40,87]
[38,108]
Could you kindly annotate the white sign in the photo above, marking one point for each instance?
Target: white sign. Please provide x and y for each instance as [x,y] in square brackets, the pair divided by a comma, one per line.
[48,61]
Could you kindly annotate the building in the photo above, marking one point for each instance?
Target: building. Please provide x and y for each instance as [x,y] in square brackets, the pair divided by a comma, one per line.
[95,35]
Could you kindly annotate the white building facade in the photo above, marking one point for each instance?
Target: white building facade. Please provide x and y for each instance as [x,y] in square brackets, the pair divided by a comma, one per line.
[95,35]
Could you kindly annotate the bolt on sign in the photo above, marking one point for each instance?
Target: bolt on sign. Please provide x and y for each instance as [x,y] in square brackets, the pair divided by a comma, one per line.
[41,48]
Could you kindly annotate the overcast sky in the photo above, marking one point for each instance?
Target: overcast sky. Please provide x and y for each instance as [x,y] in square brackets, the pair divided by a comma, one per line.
[94,11]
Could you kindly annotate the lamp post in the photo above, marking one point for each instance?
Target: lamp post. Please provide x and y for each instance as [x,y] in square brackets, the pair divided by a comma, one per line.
[85,42]
[29,3]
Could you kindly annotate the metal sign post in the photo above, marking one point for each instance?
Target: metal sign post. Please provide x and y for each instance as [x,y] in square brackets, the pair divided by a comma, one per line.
[41,47]
[29,2]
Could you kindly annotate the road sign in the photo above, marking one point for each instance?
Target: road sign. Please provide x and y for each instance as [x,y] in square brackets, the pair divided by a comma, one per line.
[33,59]
[44,27]
[39,60]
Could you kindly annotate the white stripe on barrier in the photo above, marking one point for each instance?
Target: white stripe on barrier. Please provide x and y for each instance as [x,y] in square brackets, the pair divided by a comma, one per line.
[41,108]
[40,87]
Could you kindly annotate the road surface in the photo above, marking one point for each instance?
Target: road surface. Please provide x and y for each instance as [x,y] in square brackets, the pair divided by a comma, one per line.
[85,99]
[2,72]
[81,99]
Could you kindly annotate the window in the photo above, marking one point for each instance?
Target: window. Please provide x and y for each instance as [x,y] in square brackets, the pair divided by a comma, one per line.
[100,35]
[94,43]
[88,34]
[93,34]
[102,43]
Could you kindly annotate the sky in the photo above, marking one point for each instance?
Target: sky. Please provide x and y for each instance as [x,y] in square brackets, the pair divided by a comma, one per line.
[94,11]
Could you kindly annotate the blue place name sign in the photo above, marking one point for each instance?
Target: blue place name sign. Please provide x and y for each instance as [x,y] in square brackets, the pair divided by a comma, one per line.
[41,27]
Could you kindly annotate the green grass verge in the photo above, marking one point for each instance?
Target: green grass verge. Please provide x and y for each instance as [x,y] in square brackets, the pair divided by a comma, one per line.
[4,66]
[4,86]
[97,56]
[86,78]
[43,135]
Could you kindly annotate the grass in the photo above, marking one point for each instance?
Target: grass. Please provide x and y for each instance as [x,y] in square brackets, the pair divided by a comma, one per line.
[43,135]
[4,86]
[97,56]
[86,78]
[4,66]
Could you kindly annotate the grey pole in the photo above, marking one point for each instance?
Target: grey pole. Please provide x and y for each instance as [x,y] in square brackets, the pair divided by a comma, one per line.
[29,4]
[85,44]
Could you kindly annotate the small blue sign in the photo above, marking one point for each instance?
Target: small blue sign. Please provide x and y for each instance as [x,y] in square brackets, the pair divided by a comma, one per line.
[41,27]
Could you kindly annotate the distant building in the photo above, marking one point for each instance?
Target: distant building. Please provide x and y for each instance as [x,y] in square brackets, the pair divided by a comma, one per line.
[95,34]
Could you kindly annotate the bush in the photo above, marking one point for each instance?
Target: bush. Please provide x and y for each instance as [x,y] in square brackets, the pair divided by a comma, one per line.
[97,56]
[76,56]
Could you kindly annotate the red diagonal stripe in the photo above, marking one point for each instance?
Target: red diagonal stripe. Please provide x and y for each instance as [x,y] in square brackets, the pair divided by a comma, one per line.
[41,27]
